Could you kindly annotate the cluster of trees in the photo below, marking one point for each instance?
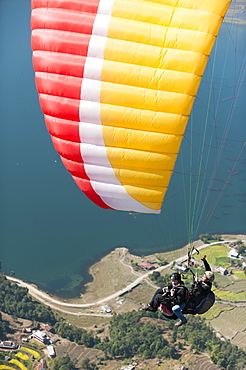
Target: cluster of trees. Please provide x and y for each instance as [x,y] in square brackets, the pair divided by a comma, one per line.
[63,363]
[160,280]
[4,327]
[207,238]
[130,337]
[88,365]
[74,334]
[15,301]
[241,249]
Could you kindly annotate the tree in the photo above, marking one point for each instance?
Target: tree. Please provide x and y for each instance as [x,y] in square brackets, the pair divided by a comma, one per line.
[129,336]
[239,242]
[207,237]
[74,334]
[241,250]
[63,363]
[4,328]
[15,301]
[155,275]
[204,238]
[216,237]
[87,365]
[146,354]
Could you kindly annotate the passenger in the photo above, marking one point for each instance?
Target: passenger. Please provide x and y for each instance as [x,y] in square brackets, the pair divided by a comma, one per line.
[173,296]
[201,287]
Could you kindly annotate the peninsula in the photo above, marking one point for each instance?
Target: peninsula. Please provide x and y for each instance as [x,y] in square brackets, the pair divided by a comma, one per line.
[118,284]
[120,258]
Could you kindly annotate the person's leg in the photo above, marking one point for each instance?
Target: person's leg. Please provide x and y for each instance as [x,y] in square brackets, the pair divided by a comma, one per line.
[155,302]
[177,310]
[156,298]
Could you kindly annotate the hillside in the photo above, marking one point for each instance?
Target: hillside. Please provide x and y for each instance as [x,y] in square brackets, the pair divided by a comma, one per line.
[227,317]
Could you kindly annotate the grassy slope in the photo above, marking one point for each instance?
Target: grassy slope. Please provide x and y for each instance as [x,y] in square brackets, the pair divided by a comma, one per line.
[109,274]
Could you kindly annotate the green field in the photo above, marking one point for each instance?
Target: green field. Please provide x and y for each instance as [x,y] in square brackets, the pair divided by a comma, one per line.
[223,281]
[229,296]
[215,312]
[240,275]
[217,255]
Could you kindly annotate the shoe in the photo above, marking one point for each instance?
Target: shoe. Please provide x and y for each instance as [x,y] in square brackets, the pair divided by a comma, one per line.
[180,323]
[148,308]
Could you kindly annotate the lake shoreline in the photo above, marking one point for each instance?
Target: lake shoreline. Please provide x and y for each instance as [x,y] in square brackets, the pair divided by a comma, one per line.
[96,269]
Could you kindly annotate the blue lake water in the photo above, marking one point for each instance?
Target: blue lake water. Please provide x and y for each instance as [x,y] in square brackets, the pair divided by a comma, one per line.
[51,233]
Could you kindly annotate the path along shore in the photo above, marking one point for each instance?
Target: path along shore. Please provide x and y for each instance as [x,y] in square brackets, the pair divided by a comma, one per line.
[53,303]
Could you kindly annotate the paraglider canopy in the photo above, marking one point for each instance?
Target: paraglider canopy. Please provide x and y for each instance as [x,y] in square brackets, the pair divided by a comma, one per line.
[116,83]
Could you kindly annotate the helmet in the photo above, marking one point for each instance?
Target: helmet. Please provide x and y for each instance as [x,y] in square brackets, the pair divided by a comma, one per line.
[209,275]
[175,276]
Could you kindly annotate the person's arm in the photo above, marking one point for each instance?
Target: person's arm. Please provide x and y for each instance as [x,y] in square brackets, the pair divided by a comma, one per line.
[179,298]
[166,291]
[198,287]
[206,264]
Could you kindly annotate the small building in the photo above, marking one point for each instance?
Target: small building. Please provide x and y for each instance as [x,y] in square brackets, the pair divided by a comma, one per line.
[51,351]
[106,309]
[47,327]
[233,253]
[53,338]
[7,344]
[42,365]
[232,245]
[40,336]
[182,268]
[27,330]
[222,270]
[146,266]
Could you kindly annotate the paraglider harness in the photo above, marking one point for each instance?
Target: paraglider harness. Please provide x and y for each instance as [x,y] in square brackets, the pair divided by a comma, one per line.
[190,308]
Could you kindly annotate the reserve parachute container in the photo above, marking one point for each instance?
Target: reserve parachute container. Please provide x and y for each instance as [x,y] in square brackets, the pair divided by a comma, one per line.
[116,81]
[205,304]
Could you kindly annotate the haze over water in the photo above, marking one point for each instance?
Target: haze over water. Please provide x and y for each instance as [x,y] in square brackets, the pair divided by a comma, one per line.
[51,233]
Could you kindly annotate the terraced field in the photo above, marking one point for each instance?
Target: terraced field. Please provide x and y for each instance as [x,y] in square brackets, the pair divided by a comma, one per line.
[32,352]
[203,363]
[18,363]
[77,352]
[22,360]
[235,329]
[229,296]
[237,286]
[215,311]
